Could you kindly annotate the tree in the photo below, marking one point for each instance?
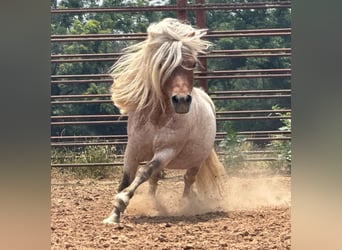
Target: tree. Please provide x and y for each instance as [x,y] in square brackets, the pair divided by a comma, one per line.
[250,19]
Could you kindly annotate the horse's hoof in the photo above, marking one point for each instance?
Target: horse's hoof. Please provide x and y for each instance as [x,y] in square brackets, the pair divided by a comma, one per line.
[111,220]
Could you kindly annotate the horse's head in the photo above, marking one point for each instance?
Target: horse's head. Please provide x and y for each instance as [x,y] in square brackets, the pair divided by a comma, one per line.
[158,72]
[179,86]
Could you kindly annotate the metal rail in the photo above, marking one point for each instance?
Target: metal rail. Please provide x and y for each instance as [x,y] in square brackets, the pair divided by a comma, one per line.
[270,135]
[63,123]
[106,78]
[229,52]
[125,137]
[226,97]
[142,36]
[196,72]
[227,92]
[218,113]
[193,7]
[112,57]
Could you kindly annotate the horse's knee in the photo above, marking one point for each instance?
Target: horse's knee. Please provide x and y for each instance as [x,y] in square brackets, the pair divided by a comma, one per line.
[147,171]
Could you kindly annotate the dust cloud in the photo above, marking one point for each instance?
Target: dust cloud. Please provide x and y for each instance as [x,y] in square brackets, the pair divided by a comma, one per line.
[240,193]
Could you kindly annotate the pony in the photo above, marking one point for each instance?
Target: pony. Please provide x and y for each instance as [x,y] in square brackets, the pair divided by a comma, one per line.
[171,123]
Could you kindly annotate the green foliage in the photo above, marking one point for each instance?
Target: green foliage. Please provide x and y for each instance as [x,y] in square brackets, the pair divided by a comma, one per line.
[250,19]
[232,148]
[283,147]
[88,154]
[237,161]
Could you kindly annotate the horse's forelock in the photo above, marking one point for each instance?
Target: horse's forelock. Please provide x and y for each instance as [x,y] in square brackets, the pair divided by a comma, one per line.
[170,41]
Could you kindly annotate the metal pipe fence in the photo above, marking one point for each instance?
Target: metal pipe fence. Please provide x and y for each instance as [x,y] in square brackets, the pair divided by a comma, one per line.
[202,75]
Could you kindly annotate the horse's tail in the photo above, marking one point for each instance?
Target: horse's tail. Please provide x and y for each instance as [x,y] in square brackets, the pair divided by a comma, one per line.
[210,175]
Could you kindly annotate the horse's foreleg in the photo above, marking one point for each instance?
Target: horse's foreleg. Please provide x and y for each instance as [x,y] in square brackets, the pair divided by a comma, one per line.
[121,200]
[189,179]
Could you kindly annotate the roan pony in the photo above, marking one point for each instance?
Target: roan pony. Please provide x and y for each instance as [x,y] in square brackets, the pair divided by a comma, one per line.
[171,123]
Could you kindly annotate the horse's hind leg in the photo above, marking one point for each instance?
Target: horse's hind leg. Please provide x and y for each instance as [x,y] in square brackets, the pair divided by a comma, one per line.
[153,181]
[121,200]
[189,179]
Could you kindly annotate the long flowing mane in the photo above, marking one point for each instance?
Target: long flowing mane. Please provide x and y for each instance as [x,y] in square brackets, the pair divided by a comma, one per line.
[140,73]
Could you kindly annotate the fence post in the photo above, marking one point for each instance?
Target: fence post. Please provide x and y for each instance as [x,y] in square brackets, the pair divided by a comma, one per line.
[181,14]
[201,23]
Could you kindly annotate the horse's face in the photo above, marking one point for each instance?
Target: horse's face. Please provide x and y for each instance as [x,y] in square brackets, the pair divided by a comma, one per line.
[179,86]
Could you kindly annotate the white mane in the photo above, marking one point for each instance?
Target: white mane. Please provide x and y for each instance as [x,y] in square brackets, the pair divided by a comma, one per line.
[140,73]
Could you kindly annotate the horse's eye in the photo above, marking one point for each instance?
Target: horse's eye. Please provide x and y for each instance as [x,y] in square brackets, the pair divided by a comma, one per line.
[190,65]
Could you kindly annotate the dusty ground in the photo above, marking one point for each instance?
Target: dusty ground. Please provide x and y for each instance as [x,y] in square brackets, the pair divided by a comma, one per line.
[253,214]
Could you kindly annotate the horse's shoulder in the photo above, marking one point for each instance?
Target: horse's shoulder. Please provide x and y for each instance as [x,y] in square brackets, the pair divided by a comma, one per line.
[202,95]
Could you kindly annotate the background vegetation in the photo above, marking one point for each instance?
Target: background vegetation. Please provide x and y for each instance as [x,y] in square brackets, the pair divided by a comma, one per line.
[117,23]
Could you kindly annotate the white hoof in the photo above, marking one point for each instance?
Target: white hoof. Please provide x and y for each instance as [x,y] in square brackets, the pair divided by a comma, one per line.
[111,220]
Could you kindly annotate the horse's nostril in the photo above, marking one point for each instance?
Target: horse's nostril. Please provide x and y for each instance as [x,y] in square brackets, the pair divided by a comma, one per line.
[181,99]
[175,99]
[188,99]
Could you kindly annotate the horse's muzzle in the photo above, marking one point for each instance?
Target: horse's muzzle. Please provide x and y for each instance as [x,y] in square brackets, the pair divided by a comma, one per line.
[181,103]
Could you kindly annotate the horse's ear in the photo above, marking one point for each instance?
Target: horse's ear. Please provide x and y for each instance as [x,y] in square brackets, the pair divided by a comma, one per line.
[191,34]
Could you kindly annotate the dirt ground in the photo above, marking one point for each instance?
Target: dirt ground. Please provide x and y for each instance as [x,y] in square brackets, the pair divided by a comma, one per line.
[253,214]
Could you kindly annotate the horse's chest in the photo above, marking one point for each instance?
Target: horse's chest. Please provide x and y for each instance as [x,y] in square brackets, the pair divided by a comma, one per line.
[152,135]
